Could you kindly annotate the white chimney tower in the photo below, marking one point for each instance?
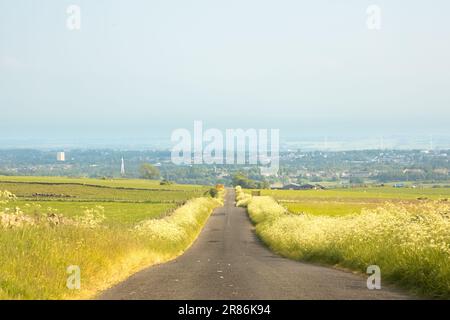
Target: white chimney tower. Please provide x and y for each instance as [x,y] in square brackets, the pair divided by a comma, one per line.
[122,168]
[60,156]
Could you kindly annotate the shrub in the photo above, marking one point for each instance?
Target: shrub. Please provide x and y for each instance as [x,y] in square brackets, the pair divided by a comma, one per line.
[242,198]
[147,171]
[212,192]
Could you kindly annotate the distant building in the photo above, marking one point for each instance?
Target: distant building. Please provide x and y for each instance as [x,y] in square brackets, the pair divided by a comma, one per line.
[60,156]
[277,185]
[122,168]
[291,186]
[295,186]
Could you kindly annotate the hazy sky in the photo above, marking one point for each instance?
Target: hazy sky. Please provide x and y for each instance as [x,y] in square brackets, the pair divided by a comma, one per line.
[140,67]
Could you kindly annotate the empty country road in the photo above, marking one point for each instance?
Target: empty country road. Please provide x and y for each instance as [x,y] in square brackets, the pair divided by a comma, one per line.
[227,261]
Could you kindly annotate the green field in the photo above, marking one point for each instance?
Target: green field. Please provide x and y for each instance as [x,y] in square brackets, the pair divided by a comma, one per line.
[76,192]
[115,212]
[109,228]
[336,202]
[116,183]
[124,201]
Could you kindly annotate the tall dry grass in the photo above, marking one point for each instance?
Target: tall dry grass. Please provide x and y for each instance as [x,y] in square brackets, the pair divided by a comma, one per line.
[242,198]
[36,249]
[409,242]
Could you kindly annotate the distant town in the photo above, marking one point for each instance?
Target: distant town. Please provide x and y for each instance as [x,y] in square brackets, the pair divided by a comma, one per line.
[298,169]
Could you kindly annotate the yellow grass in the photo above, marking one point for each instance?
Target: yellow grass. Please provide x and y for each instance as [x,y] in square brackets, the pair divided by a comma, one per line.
[34,255]
[409,242]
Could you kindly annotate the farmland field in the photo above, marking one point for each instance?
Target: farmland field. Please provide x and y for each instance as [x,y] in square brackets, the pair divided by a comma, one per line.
[124,201]
[115,212]
[336,202]
[109,228]
[405,232]
[118,183]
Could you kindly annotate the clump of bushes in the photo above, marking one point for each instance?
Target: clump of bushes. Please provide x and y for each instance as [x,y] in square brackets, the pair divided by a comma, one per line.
[212,192]
[165,182]
[242,198]
[181,227]
[240,179]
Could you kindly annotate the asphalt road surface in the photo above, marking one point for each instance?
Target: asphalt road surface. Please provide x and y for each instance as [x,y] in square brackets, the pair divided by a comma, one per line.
[227,261]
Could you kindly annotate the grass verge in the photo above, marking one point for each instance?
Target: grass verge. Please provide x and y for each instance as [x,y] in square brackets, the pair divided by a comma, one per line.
[36,251]
[409,242]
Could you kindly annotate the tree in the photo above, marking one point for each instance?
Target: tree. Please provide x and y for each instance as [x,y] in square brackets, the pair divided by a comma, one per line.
[242,180]
[213,192]
[239,179]
[148,171]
